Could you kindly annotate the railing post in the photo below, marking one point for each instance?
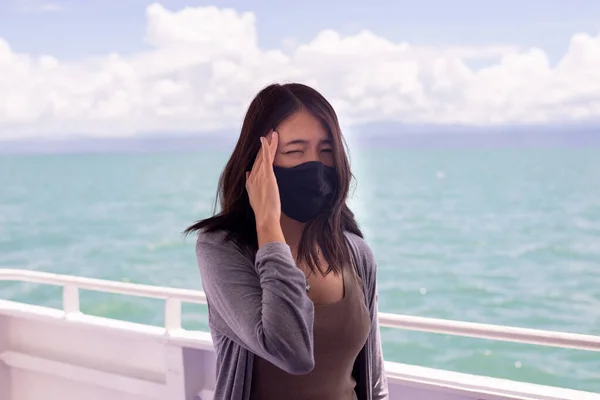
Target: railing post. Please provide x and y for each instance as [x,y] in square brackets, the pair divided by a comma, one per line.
[172,314]
[70,299]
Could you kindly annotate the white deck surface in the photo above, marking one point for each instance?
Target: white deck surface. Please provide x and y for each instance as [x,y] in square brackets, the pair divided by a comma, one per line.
[63,354]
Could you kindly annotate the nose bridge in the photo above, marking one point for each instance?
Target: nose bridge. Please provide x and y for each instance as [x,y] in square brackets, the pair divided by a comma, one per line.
[312,152]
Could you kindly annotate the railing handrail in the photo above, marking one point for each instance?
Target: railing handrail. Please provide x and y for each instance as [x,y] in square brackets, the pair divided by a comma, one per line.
[175,296]
[102,285]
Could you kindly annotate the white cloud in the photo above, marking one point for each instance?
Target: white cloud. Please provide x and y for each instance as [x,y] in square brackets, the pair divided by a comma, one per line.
[205,65]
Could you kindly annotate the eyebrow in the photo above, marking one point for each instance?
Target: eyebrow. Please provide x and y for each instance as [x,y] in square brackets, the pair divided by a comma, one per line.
[304,142]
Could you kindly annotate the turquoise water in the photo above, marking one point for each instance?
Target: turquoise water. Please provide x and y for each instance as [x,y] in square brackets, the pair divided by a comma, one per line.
[495,236]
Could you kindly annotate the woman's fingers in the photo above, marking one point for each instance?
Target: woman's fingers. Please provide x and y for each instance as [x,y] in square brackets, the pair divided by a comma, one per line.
[257,161]
[266,153]
[261,184]
[273,145]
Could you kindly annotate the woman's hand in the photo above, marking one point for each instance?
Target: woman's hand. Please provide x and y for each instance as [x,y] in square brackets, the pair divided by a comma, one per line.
[263,192]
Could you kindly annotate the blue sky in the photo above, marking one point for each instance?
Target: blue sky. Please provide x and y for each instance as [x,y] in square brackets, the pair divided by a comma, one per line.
[81,27]
[118,68]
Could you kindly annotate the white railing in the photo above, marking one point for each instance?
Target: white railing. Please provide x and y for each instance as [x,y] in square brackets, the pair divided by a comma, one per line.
[174,297]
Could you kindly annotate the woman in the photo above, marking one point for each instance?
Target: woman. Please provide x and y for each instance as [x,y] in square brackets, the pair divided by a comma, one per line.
[289,281]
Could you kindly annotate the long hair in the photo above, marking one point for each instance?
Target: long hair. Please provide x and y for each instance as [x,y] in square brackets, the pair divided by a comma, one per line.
[268,109]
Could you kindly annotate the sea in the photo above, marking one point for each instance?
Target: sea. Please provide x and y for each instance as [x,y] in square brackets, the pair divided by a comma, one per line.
[501,236]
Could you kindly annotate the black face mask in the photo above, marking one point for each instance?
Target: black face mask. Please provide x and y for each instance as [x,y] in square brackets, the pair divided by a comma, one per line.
[305,190]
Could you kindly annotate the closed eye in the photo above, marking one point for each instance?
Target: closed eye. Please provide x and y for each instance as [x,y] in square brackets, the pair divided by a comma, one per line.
[326,150]
[293,151]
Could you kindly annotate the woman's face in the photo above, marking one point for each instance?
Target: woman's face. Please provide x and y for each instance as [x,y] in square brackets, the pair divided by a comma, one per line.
[302,138]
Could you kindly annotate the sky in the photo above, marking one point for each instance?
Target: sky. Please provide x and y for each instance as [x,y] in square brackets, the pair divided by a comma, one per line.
[107,68]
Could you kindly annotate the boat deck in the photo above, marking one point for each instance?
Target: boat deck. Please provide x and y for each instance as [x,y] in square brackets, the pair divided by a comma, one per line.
[63,354]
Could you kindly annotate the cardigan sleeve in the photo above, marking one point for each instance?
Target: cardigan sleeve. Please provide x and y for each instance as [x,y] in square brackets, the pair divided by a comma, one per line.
[262,306]
[378,376]
[371,358]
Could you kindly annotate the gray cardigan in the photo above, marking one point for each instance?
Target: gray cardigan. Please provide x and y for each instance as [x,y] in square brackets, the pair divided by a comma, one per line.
[262,308]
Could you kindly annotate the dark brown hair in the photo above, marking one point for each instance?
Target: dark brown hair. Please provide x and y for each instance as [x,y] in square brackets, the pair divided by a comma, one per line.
[270,107]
